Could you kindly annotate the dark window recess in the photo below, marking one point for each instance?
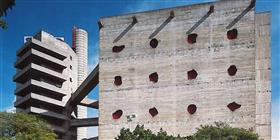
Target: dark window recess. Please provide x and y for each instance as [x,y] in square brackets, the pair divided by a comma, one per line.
[232,70]
[154,43]
[153,77]
[153,111]
[233,106]
[117,114]
[70,57]
[70,67]
[118,80]
[192,74]
[117,49]
[192,38]
[192,108]
[71,79]
[232,34]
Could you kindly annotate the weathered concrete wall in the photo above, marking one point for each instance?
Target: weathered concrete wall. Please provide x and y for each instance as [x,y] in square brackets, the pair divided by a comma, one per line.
[263,76]
[211,56]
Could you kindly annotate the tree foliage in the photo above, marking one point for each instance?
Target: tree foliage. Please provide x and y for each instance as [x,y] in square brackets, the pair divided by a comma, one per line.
[4,6]
[22,126]
[219,131]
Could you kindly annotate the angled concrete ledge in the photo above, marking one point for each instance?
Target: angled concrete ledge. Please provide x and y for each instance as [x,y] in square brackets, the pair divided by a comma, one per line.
[84,122]
[38,45]
[34,70]
[33,55]
[35,86]
[45,113]
[89,103]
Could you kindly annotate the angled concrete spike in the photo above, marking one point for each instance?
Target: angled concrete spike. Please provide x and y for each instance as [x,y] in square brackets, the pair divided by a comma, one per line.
[134,21]
[252,5]
[210,11]
[89,103]
[84,122]
[171,16]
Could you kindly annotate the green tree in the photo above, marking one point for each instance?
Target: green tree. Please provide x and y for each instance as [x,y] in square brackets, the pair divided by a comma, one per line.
[222,131]
[219,131]
[22,126]
[140,133]
[4,6]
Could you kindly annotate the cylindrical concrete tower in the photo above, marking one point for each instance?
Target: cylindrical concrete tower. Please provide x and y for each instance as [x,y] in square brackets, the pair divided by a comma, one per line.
[80,45]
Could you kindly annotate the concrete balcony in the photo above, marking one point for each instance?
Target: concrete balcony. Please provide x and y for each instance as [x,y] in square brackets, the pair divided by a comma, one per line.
[34,56]
[35,99]
[34,71]
[41,88]
[45,113]
[42,47]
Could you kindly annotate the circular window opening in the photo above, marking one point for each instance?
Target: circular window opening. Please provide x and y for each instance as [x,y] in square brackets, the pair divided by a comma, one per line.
[192,74]
[233,106]
[232,34]
[192,108]
[153,111]
[192,38]
[153,77]
[232,70]
[117,49]
[154,43]
[118,80]
[117,114]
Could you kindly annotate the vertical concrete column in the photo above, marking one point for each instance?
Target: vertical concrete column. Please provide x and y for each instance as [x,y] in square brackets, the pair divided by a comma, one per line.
[81,44]
[263,76]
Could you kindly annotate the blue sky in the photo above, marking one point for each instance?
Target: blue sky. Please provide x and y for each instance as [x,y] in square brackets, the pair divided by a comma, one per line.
[59,16]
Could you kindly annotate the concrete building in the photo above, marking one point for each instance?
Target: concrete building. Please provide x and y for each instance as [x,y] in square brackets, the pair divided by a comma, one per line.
[183,67]
[48,72]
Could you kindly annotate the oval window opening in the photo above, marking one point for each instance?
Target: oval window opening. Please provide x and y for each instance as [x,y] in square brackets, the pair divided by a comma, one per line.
[117,114]
[232,70]
[192,38]
[153,77]
[118,80]
[153,111]
[192,74]
[192,108]
[154,43]
[117,49]
[232,34]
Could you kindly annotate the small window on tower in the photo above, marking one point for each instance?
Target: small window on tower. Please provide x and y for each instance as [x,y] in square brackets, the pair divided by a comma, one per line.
[117,49]
[71,58]
[192,74]
[153,77]
[232,70]
[192,38]
[117,114]
[153,111]
[232,34]
[70,67]
[154,43]
[192,108]
[70,79]
[118,80]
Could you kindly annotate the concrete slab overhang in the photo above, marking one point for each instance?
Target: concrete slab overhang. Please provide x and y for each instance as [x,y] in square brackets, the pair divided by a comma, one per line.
[42,47]
[89,103]
[39,99]
[37,86]
[84,122]
[34,70]
[44,112]
[33,56]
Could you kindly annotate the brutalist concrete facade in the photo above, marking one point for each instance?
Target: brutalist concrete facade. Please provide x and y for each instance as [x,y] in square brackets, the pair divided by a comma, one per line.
[183,67]
[47,75]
